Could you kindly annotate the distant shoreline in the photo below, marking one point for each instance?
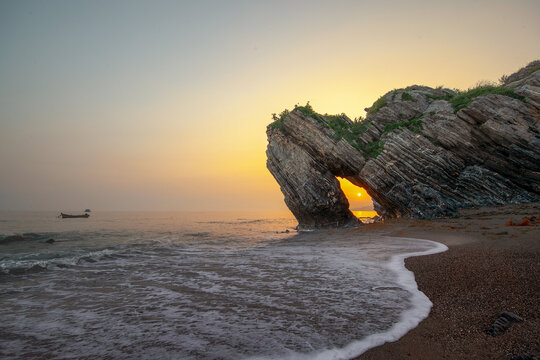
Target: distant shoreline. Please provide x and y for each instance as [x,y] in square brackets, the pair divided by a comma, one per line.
[489,268]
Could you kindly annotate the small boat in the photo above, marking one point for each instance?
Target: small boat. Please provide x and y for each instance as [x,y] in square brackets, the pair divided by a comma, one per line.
[87,210]
[67,216]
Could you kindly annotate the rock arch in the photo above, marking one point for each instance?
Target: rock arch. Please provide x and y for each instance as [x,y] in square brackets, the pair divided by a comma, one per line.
[416,155]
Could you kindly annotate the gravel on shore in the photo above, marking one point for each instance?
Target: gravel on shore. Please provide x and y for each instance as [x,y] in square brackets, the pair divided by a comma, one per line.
[489,268]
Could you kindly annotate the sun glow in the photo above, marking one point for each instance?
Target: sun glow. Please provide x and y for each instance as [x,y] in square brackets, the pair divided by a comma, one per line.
[358,197]
[176,107]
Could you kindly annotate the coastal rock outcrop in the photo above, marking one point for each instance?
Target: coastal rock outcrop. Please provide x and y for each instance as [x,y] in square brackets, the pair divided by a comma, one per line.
[420,152]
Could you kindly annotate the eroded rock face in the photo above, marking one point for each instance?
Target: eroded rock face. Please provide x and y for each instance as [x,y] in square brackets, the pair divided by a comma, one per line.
[311,189]
[414,154]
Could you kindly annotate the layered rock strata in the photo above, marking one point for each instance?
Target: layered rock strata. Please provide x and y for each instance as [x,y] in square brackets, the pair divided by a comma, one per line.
[420,152]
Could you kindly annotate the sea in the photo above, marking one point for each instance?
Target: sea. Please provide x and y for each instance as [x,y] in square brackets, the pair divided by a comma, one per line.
[200,285]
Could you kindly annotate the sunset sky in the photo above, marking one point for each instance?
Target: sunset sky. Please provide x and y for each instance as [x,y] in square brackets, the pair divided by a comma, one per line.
[163,105]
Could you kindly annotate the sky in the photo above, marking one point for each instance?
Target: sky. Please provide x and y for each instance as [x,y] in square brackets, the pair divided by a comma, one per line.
[163,105]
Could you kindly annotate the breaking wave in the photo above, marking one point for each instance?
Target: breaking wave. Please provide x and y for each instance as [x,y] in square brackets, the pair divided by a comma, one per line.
[173,286]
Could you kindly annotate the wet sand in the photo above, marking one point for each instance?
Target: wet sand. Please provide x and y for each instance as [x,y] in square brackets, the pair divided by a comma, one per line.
[489,268]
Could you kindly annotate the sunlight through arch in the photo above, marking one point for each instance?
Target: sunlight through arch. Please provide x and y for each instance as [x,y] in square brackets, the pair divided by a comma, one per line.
[360,203]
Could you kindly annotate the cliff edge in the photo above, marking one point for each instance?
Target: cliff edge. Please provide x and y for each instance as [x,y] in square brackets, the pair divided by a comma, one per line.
[420,152]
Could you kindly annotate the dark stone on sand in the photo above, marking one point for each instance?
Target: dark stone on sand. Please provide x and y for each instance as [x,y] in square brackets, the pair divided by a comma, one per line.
[502,323]
[11,238]
[50,241]
[416,155]
[511,316]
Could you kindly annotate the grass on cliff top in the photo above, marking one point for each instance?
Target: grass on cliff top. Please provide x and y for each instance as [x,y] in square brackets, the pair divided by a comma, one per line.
[342,127]
[530,68]
[338,123]
[382,101]
[351,131]
[533,69]
[306,110]
[462,99]
[405,96]
[278,120]
[377,105]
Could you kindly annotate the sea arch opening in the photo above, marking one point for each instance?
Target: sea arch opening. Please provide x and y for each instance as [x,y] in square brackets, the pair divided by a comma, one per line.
[360,202]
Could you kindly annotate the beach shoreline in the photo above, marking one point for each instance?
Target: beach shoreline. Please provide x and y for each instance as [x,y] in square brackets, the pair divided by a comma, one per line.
[489,268]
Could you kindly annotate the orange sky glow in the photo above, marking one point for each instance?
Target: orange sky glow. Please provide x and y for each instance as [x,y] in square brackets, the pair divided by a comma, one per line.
[164,105]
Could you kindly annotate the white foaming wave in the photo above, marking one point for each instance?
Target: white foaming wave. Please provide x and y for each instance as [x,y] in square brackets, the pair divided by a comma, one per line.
[409,319]
[8,265]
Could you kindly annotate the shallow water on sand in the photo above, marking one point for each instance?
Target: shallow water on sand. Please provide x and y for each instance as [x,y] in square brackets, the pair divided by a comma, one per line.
[198,286]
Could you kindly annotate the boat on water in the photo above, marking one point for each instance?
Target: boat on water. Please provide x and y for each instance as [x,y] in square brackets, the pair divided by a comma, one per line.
[67,216]
[87,210]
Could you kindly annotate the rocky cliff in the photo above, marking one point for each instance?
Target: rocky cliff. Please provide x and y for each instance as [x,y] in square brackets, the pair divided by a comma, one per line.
[420,152]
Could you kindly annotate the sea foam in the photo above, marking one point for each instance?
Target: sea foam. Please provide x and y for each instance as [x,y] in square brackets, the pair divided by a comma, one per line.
[409,319]
[137,286]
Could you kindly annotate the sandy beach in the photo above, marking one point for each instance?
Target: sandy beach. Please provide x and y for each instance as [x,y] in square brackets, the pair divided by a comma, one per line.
[489,268]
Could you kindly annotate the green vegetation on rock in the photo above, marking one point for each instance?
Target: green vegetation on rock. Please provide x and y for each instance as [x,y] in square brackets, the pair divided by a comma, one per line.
[405,96]
[352,131]
[349,130]
[374,149]
[533,69]
[414,124]
[525,71]
[308,111]
[278,120]
[462,99]
[341,127]
[377,105]
[446,96]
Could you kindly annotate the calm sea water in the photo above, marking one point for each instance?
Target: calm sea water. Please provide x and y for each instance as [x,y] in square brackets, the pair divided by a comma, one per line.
[180,285]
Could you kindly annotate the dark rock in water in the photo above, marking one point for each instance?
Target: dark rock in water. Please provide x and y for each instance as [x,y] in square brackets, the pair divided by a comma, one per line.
[50,241]
[502,323]
[377,219]
[420,152]
[11,238]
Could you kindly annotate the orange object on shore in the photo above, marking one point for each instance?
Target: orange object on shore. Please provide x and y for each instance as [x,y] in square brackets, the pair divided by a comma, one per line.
[524,222]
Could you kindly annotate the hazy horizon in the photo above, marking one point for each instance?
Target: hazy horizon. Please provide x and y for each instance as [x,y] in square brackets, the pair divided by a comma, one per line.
[138,105]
